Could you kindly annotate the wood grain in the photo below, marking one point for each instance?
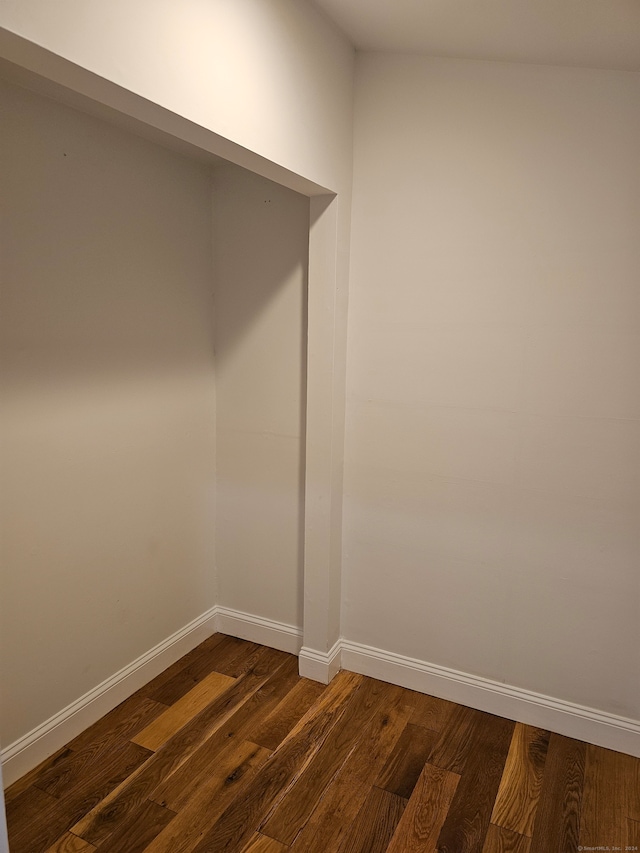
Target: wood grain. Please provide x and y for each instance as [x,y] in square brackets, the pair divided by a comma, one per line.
[273,730]
[21,785]
[241,819]
[71,844]
[466,825]
[519,792]
[100,822]
[358,766]
[330,822]
[164,726]
[455,742]
[236,664]
[59,815]
[631,775]
[88,752]
[141,827]
[557,824]
[606,798]
[431,712]
[177,787]
[403,769]
[261,844]
[184,674]
[375,823]
[426,812]
[228,779]
[120,724]
[24,813]
[632,834]
[293,810]
[501,840]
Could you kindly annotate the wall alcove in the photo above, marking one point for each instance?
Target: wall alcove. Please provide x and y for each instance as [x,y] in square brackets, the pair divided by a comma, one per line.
[134,373]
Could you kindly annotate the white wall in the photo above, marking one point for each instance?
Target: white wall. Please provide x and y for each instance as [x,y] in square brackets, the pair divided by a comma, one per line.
[261,239]
[108,403]
[493,435]
[267,84]
[271,75]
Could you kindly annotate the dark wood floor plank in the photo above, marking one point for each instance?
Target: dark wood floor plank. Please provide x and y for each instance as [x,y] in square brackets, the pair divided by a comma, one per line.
[501,840]
[325,769]
[375,824]
[292,812]
[226,782]
[466,825]
[331,820]
[246,660]
[59,815]
[604,799]
[103,820]
[557,824]
[121,724]
[57,779]
[178,787]
[114,729]
[241,820]
[26,808]
[164,726]
[632,836]
[273,730]
[519,792]
[426,812]
[89,754]
[234,660]
[431,712]
[631,772]
[139,830]
[204,650]
[456,741]
[218,651]
[405,764]
[70,843]
[21,785]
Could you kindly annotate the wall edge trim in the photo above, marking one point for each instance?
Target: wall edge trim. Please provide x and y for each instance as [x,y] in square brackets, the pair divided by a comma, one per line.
[320,666]
[557,715]
[267,632]
[35,746]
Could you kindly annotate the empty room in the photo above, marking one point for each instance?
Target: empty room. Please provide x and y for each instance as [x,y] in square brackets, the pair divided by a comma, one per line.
[320,459]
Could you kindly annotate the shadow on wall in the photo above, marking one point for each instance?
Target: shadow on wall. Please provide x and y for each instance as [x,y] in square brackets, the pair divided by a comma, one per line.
[108,402]
[261,238]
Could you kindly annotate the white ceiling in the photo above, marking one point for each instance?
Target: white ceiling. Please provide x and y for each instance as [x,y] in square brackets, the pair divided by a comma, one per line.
[591,33]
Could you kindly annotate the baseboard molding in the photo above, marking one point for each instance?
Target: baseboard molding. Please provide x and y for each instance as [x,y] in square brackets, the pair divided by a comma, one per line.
[267,632]
[28,751]
[572,720]
[320,666]
[576,721]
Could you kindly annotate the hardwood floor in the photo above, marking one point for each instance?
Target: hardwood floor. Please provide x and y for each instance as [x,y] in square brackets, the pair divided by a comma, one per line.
[230,750]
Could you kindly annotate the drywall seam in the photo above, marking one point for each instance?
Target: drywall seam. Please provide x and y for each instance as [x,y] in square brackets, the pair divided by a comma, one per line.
[525,706]
[28,751]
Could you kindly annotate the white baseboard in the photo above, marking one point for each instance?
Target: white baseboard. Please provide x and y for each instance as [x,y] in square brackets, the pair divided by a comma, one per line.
[320,666]
[28,751]
[267,632]
[576,721]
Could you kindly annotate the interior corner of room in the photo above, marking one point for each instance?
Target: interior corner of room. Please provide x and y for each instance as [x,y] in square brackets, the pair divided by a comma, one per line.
[343,362]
